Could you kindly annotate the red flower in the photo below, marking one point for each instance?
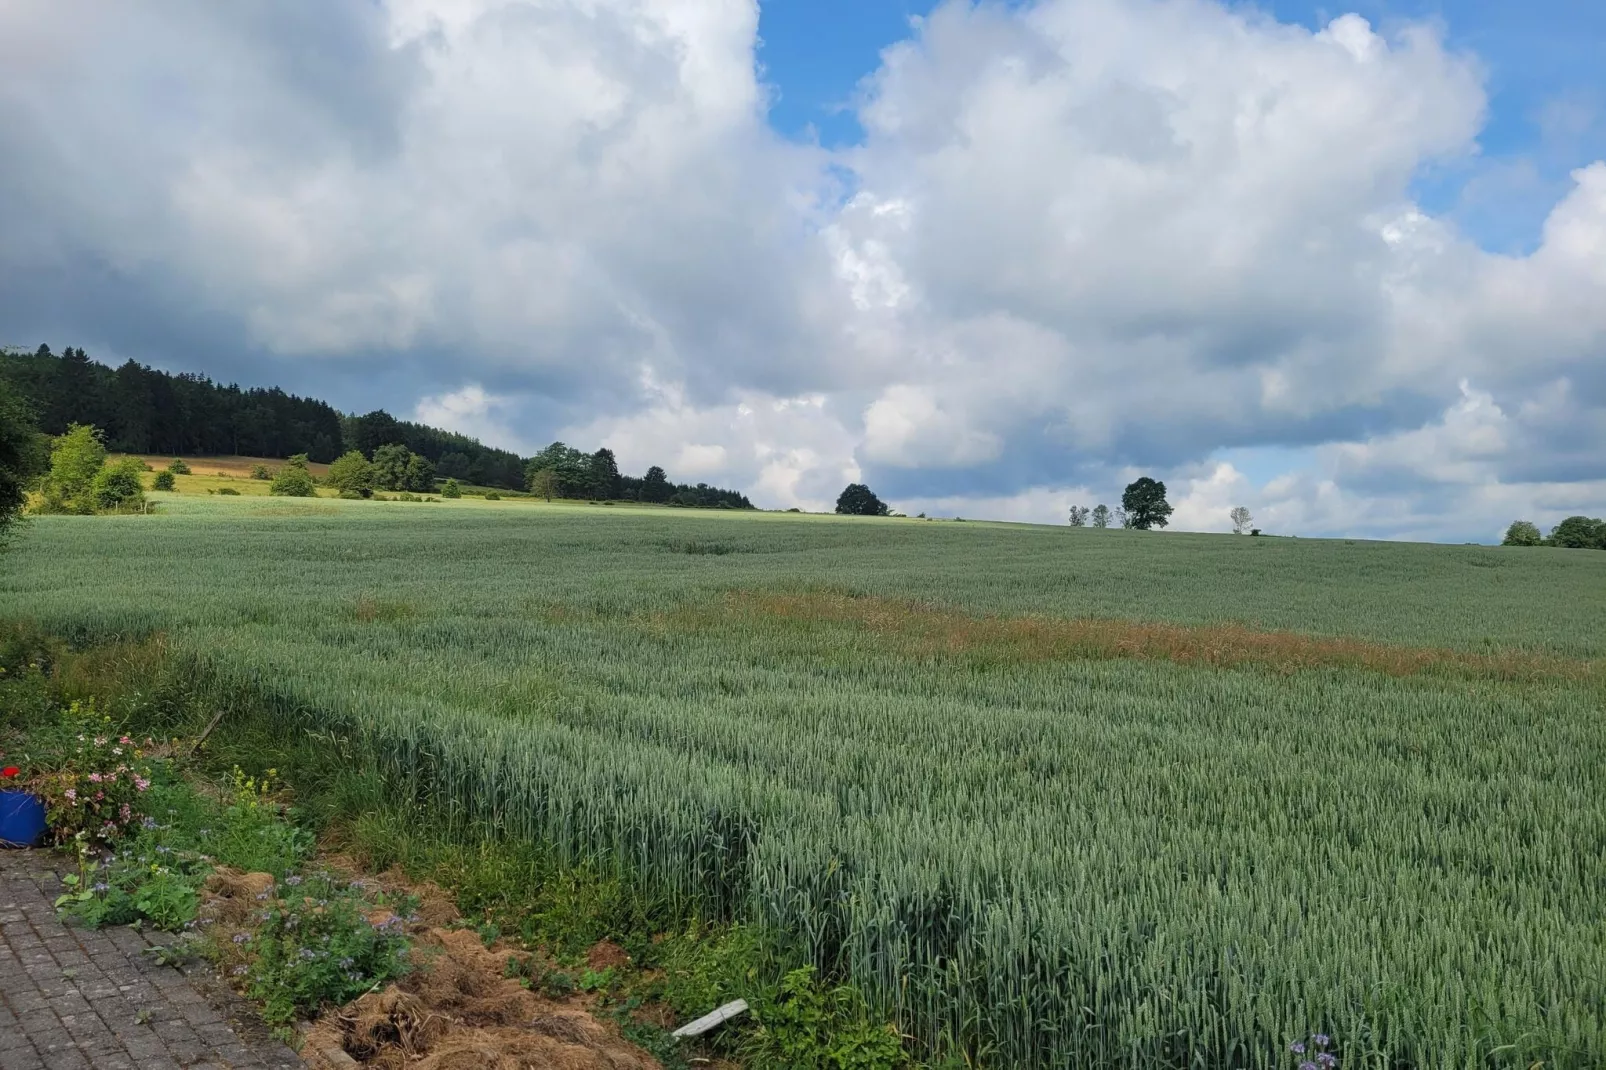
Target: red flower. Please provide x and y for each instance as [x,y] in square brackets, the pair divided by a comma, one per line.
[9,771]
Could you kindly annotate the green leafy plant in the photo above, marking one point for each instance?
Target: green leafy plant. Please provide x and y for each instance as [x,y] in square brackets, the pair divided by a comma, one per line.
[146,880]
[178,468]
[317,947]
[808,1025]
[162,481]
[252,831]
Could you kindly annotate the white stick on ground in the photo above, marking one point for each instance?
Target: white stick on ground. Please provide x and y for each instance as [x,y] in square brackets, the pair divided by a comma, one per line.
[711,1019]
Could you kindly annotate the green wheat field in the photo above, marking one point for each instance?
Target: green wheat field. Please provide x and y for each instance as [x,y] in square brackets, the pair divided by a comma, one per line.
[1074,798]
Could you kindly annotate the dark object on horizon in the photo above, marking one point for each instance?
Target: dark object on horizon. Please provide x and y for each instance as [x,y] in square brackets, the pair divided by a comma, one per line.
[1145,504]
[857,499]
[1579,533]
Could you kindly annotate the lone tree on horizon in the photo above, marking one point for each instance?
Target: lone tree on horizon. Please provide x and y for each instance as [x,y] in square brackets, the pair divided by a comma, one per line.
[857,499]
[1240,519]
[1145,504]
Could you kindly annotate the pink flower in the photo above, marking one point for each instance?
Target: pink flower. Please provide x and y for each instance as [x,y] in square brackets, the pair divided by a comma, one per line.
[71,794]
[141,784]
[94,778]
[125,741]
[99,795]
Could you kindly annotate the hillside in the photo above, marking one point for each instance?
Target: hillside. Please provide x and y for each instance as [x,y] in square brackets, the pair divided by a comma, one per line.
[147,412]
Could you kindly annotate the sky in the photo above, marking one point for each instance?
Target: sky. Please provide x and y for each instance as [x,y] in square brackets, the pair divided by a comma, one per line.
[1343,265]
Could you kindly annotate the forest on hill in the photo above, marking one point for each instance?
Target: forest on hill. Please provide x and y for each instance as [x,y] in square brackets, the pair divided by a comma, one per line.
[143,410]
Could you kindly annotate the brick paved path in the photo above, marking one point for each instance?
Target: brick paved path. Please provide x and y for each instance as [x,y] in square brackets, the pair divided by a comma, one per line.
[73,998]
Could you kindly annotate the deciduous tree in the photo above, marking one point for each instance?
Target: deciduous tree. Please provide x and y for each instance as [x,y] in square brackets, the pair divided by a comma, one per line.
[544,483]
[1079,515]
[857,499]
[1240,519]
[1101,516]
[390,466]
[1522,533]
[1145,504]
[1579,533]
[75,459]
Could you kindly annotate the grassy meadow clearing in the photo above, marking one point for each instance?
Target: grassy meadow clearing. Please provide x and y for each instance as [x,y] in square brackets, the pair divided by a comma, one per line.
[1059,798]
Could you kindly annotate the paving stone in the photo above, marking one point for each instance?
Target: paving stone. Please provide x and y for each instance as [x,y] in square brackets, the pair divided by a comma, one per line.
[80,999]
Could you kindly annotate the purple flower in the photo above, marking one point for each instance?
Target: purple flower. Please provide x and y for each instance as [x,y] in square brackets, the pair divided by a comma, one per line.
[292,881]
[1307,1065]
[240,938]
[1297,1047]
[1321,1040]
[1327,1059]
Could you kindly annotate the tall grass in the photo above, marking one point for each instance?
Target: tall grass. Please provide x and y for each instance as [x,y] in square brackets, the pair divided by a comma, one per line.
[1054,860]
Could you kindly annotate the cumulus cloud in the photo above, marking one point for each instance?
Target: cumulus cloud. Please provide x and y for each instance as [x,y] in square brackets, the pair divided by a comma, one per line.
[1081,239]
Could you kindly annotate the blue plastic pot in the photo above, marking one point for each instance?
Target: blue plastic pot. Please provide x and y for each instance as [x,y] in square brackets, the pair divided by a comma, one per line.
[22,819]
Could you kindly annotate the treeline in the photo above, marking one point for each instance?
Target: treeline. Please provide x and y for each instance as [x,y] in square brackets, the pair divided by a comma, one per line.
[143,410]
[453,456]
[562,471]
[1574,533]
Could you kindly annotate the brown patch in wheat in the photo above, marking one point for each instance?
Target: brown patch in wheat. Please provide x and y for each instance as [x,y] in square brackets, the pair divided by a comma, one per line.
[924,629]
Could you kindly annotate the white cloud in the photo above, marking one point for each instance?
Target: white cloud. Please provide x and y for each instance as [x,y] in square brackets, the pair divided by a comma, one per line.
[471,411]
[1081,239]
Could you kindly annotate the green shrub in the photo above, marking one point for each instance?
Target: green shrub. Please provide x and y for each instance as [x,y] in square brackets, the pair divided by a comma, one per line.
[351,474]
[118,486]
[351,495]
[163,481]
[317,948]
[451,489]
[293,481]
[229,491]
[260,471]
[492,496]
[178,467]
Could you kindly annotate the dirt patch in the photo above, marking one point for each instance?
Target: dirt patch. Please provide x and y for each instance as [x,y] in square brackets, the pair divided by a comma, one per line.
[921,629]
[462,1011]
[605,954]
